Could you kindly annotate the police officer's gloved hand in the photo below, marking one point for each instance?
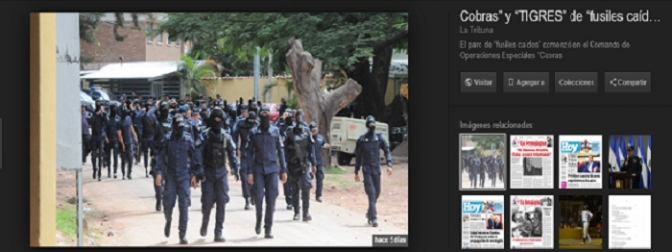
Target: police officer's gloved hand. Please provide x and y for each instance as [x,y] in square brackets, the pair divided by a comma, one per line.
[234,172]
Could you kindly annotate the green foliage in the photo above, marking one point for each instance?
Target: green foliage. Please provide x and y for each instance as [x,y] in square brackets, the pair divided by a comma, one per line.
[338,39]
[335,170]
[484,142]
[190,72]
[66,221]
[89,21]
[292,102]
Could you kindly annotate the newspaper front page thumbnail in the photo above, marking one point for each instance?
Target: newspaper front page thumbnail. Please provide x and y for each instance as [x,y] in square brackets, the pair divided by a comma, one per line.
[482,222]
[531,160]
[531,222]
[580,162]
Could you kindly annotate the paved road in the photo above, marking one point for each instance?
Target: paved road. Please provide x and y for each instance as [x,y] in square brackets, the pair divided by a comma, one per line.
[130,206]
[466,183]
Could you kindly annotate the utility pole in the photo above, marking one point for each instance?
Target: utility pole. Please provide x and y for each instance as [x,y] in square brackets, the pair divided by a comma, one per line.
[256,74]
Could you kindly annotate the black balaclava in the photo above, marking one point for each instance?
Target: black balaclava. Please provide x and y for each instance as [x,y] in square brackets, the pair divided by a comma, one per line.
[178,125]
[98,106]
[113,111]
[298,117]
[284,102]
[164,110]
[216,126]
[251,119]
[124,112]
[265,121]
[371,124]
[290,116]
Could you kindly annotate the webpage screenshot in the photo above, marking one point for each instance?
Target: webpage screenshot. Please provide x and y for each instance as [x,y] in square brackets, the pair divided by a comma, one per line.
[334,125]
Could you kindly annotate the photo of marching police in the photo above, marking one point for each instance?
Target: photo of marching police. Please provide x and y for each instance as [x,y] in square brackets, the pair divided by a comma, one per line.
[238,129]
[481,157]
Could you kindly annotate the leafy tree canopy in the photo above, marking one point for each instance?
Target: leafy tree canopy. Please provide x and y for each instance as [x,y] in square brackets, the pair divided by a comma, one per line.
[338,39]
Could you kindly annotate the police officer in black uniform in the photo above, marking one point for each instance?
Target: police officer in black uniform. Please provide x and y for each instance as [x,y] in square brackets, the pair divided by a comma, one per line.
[98,122]
[162,130]
[300,158]
[212,146]
[319,145]
[367,157]
[475,170]
[112,141]
[240,135]
[633,167]
[283,125]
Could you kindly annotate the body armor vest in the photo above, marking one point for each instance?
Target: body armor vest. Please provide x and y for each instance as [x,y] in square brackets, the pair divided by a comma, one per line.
[215,149]
[298,146]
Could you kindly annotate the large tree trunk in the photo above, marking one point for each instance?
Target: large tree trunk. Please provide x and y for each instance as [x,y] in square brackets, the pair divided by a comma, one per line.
[374,82]
[317,106]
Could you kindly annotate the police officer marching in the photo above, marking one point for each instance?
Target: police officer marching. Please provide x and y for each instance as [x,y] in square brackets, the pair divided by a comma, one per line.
[98,122]
[212,146]
[241,134]
[367,157]
[127,138]
[162,130]
[173,163]
[319,145]
[112,141]
[265,148]
[633,167]
[300,158]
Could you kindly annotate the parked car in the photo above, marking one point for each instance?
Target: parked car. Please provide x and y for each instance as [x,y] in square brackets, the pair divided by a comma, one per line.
[85,99]
[98,94]
[344,134]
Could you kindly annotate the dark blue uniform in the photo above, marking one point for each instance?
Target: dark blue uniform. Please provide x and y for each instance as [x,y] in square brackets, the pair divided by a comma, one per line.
[86,136]
[283,125]
[112,145]
[242,132]
[146,145]
[300,153]
[212,149]
[265,148]
[494,169]
[367,156]
[173,165]
[126,154]
[474,171]
[138,118]
[319,146]
[162,132]
[98,134]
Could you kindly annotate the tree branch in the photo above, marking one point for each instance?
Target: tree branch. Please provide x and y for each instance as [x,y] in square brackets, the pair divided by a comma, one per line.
[389,41]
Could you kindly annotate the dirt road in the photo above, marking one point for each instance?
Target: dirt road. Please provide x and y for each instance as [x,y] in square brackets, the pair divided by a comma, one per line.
[126,207]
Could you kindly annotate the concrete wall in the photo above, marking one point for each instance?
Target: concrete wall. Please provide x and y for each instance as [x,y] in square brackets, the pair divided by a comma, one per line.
[232,89]
[69,144]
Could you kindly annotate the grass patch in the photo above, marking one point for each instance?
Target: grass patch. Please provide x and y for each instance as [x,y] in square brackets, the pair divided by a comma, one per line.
[66,221]
[335,170]
[342,181]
